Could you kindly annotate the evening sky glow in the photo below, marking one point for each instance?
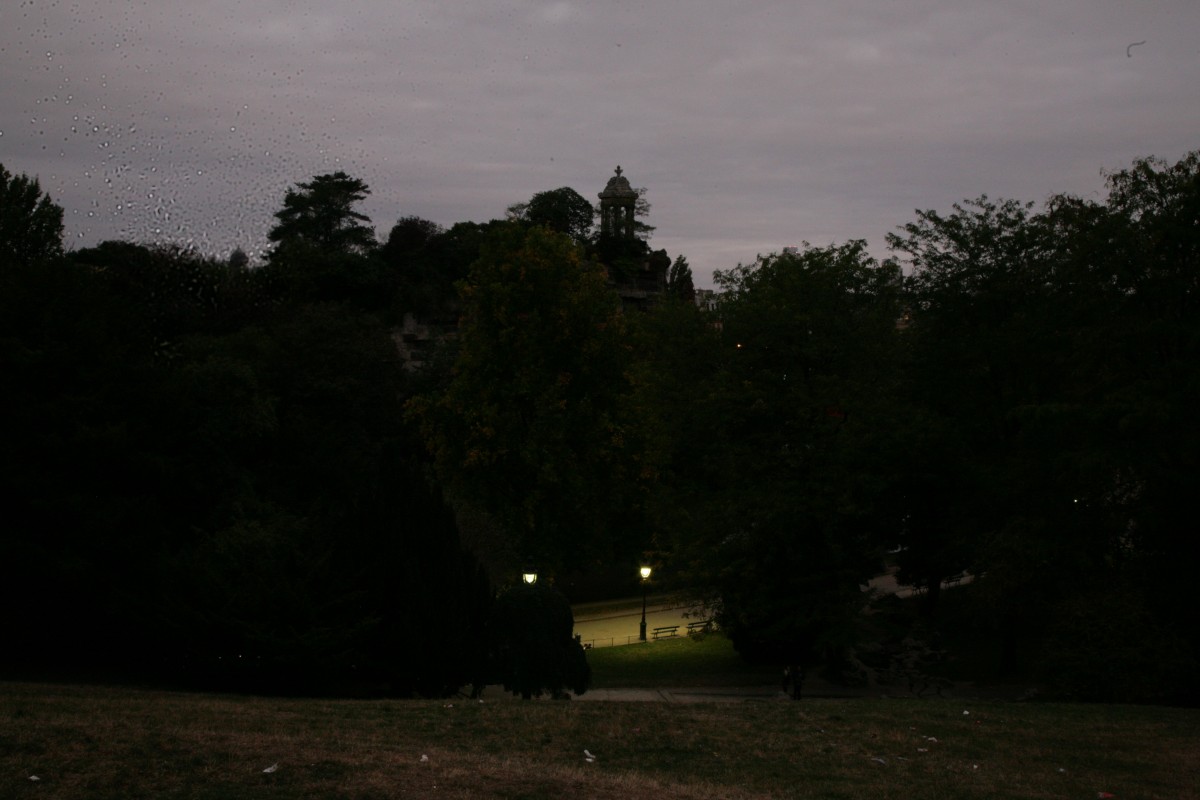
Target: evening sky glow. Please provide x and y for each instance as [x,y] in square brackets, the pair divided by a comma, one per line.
[753,126]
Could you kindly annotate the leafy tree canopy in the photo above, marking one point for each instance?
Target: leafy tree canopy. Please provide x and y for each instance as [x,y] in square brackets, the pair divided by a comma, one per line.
[534,650]
[31,224]
[791,525]
[641,210]
[409,236]
[563,210]
[679,280]
[213,486]
[321,213]
[529,426]
[1053,365]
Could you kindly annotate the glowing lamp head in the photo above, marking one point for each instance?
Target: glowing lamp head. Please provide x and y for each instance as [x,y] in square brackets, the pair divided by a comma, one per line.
[529,577]
[645,571]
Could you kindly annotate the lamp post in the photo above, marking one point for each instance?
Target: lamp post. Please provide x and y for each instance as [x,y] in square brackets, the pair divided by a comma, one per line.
[530,577]
[645,573]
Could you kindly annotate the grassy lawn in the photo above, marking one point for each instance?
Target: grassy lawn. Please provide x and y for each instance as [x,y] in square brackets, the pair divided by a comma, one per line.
[94,742]
[685,661]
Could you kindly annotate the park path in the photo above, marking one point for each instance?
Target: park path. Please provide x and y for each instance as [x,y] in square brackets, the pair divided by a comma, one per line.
[617,622]
[617,626]
[725,694]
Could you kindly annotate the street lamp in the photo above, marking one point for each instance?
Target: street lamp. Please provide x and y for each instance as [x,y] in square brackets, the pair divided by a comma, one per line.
[530,577]
[645,573]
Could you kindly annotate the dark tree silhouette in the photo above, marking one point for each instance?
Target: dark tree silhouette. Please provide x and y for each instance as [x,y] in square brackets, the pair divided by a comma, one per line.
[679,280]
[31,225]
[321,213]
[563,210]
[534,649]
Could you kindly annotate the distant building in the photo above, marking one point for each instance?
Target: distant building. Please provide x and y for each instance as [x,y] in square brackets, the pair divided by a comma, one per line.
[707,299]
[637,274]
[416,339]
[618,205]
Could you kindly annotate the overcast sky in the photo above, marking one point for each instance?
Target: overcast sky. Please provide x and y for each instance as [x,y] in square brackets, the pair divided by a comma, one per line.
[753,125]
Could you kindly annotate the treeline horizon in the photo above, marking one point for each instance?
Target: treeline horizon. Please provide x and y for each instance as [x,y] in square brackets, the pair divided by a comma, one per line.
[227,476]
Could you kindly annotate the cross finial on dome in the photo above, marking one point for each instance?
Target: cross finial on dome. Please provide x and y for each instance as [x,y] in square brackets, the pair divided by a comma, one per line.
[618,170]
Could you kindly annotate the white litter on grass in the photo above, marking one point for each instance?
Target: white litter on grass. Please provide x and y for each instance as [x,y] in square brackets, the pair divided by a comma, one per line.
[34,778]
[272,768]
[879,760]
[931,739]
[424,758]
[587,754]
[922,749]
[966,713]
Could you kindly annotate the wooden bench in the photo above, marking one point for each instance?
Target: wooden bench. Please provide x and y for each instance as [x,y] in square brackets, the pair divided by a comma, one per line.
[955,580]
[700,626]
[666,630]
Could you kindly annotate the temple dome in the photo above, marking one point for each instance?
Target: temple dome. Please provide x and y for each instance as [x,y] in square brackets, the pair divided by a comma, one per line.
[618,188]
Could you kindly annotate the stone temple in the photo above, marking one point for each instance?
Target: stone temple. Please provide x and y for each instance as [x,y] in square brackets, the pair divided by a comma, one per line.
[618,202]
[637,274]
